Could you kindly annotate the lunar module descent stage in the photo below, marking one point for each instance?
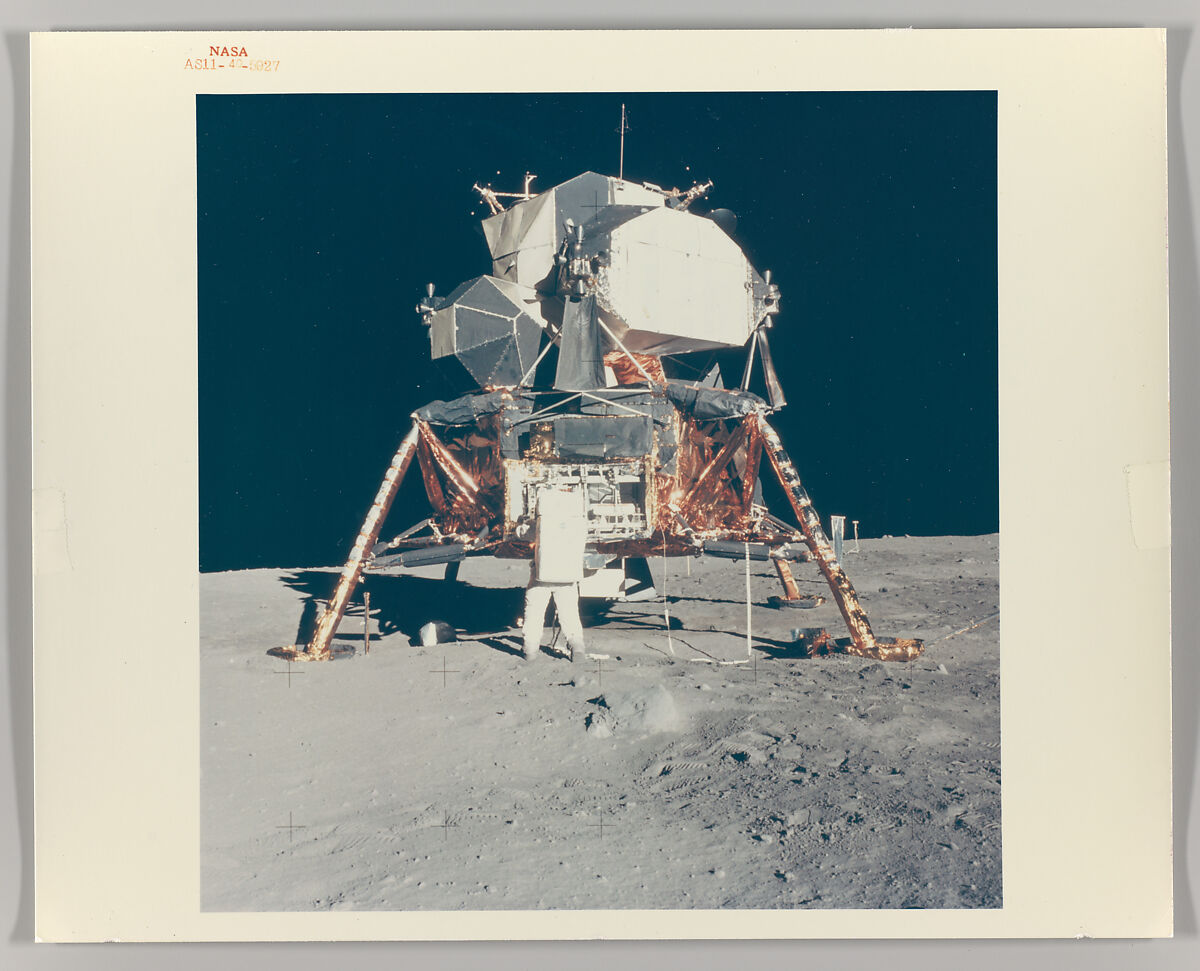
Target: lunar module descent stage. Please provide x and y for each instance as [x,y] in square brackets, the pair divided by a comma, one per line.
[629,290]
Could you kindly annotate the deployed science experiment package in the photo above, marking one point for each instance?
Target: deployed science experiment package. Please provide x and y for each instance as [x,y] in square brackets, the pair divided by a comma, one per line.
[598,654]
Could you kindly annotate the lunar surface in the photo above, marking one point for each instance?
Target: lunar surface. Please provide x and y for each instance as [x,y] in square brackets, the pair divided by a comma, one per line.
[461,776]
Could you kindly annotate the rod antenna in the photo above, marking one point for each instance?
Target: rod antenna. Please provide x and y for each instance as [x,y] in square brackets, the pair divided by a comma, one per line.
[623,129]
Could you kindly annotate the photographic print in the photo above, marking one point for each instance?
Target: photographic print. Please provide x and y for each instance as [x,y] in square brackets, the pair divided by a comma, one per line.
[559,485]
[599,501]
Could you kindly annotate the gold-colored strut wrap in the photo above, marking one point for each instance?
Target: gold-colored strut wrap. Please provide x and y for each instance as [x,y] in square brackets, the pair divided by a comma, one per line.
[817,642]
[895,649]
[625,366]
[463,476]
[864,642]
[327,623]
[714,483]
[790,590]
[461,479]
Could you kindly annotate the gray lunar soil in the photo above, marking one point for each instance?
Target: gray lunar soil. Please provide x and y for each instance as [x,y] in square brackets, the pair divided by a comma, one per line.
[460,776]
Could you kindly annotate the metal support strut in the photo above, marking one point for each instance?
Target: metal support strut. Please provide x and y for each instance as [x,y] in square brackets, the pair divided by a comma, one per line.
[790,590]
[865,643]
[318,648]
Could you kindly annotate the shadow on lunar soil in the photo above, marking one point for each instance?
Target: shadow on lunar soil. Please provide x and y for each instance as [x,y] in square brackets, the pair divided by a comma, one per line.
[403,603]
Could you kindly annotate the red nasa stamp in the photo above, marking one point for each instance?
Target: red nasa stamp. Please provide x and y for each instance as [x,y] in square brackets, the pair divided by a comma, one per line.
[232,56]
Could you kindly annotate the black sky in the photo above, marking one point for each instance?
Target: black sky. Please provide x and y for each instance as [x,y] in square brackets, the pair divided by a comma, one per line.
[321,218]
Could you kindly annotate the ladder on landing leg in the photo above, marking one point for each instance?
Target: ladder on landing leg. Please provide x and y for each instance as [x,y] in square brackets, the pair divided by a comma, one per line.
[865,643]
[318,649]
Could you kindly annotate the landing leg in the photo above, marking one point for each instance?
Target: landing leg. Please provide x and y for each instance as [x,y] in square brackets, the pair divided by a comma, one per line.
[327,623]
[790,590]
[792,597]
[864,640]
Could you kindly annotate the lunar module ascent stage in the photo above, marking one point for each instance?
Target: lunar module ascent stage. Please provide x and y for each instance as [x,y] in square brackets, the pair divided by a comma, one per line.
[604,294]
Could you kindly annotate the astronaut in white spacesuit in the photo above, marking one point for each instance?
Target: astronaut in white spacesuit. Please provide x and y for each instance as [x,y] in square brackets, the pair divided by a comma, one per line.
[560,536]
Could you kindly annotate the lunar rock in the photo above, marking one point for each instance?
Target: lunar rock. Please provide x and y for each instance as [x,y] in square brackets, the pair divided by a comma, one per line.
[436,632]
[600,723]
[644,710]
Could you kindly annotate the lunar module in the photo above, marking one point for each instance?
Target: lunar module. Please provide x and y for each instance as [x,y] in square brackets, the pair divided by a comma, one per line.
[591,342]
